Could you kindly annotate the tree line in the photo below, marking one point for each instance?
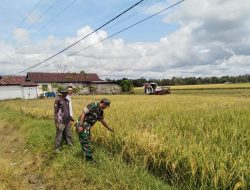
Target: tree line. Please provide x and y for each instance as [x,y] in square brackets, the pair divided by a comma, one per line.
[127,83]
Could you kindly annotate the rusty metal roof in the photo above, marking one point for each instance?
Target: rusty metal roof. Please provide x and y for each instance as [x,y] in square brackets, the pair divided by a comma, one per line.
[62,77]
[15,80]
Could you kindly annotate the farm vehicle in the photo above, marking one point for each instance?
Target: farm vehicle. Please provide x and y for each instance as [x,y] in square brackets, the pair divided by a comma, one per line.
[153,88]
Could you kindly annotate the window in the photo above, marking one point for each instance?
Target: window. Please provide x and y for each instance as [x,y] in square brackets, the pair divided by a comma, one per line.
[45,87]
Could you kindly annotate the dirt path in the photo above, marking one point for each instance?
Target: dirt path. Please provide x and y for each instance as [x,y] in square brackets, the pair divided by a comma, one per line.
[17,167]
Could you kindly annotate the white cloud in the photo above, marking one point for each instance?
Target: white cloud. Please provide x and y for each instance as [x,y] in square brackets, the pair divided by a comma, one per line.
[20,35]
[155,8]
[213,40]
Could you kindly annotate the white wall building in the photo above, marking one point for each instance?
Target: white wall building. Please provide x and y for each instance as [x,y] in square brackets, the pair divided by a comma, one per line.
[12,87]
[29,92]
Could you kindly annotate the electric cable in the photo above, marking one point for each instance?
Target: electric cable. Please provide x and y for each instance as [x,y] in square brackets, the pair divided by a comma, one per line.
[42,15]
[70,4]
[24,19]
[132,15]
[73,44]
[124,29]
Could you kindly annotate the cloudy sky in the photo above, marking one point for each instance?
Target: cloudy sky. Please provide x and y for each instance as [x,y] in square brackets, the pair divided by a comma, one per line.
[195,38]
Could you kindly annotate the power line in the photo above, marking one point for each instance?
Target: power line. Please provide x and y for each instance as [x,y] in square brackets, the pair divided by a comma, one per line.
[53,18]
[23,20]
[107,28]
[128,17]
[67,7]
[33,9]
[28,15]
[126,28]
[71,3]
[114,12]
[82,38]
[41,16]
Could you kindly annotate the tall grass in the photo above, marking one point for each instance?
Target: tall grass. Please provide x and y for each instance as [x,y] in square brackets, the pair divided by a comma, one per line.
[189,141]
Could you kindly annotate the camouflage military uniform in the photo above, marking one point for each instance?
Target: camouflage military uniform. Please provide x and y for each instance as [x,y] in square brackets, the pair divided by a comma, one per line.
[93,114]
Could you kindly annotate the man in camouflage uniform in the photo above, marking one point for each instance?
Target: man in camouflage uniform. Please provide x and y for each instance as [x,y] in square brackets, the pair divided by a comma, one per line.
[92,113]
[62,120]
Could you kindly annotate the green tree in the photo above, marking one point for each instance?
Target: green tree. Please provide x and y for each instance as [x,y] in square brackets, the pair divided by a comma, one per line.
[55,85]
[44,87]
[77,90]
[126,85]
[82,72]
[60,88]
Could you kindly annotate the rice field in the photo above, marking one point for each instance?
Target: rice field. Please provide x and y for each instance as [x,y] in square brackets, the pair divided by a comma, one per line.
[213,86]
[188,141]
[237,89]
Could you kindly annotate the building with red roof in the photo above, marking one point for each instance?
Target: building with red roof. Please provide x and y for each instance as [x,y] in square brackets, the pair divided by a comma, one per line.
[12,87]
[86,83]
[35,84]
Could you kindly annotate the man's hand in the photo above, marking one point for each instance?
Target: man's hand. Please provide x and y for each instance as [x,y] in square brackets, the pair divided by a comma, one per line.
[106,125]
[80,129]
[59,119]
[57,125]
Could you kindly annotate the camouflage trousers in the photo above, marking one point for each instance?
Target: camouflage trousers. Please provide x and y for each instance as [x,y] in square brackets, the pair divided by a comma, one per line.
[84,138]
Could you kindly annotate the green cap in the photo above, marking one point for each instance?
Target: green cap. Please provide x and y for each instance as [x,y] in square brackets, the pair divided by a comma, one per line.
[106,101]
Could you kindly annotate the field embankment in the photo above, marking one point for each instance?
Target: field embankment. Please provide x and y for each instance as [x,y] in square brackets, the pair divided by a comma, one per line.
[188,141]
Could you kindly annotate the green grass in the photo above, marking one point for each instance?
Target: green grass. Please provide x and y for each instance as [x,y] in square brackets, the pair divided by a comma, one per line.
[68,169]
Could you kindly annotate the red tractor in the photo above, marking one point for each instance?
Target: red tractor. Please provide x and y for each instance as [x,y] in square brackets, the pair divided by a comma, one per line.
[153,88]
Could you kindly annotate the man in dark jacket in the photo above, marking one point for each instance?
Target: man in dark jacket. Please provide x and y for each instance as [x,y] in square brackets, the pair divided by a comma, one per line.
[62,120]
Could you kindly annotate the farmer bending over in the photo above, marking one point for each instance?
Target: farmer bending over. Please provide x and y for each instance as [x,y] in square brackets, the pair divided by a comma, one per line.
[92,113]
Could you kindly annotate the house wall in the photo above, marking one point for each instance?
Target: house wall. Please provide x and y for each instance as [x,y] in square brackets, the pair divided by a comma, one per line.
[11,92]
[40,88]
[29,92]
[85,88]
[105,89]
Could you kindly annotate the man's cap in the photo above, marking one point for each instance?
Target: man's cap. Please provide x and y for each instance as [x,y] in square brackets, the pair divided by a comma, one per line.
[67,88]
[70,85]
[106,101]
[63,91]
